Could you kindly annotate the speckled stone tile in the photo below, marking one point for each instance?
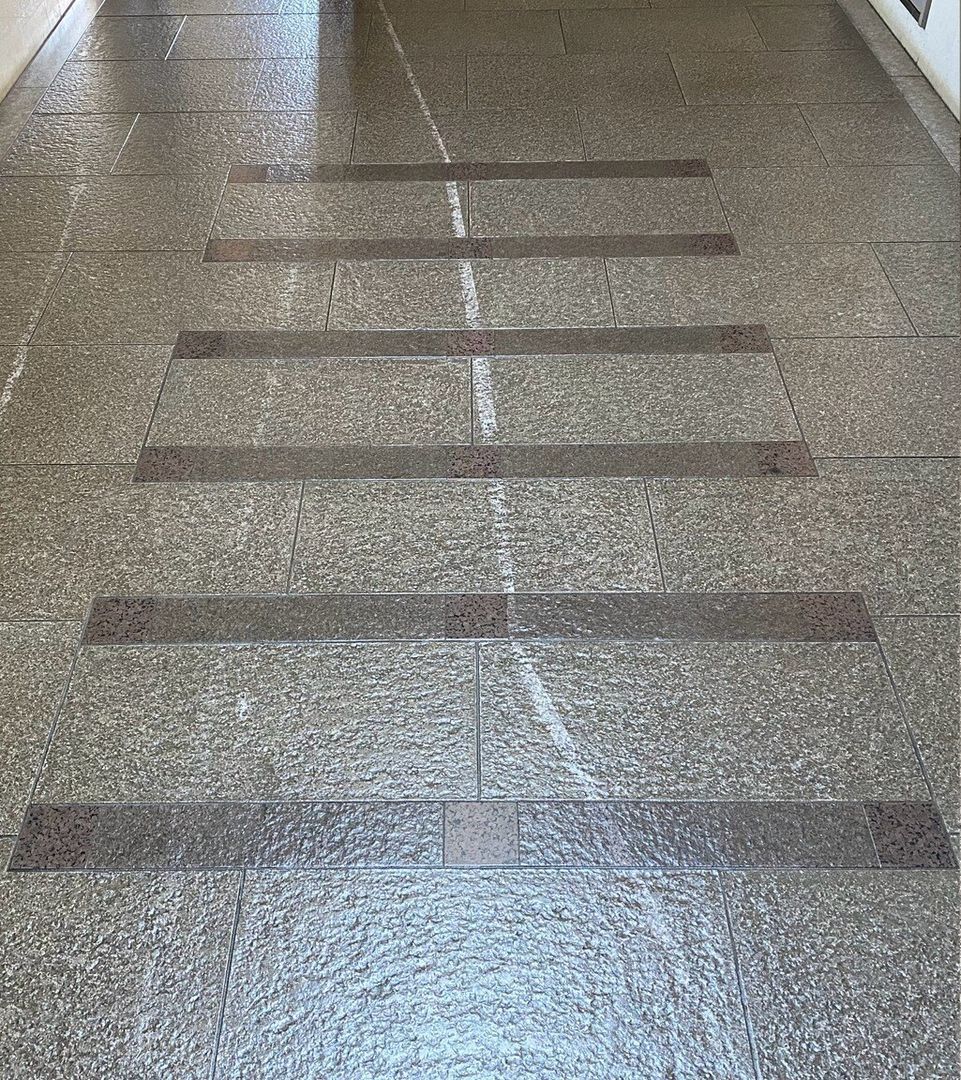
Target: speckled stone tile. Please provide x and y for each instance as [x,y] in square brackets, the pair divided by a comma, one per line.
[107,213]
[15,110]
[423,536]
[842,204]
[876,397]
[556,951]
[615,206]
[515,292]
[597,80]
[251,722]
[612,399]
[426,32]
[34,661]
[127,39]
[795,290]
[26,282]
[909,836]
[725,134]
[867,959]
[480,834]
[198,142]
[116,975]
[772,78]
[882,133]
[88,404]
[923,656]
[478,135]
[72,143]
[69,533]
[151,86]
[188,7]
[939,122]
[818,27]
[724,28]
[376,82]
[314,402]
[152,297]
[705,720]
[274,36]
[894,539]
[927,278]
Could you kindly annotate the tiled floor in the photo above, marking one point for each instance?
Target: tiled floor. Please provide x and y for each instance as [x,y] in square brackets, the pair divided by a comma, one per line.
[479,545]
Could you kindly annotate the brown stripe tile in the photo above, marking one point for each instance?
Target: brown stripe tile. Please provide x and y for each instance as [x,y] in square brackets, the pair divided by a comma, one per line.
[139,620]
[467,170]
[183,836]
[699,834]
[640,341]
[473,247]
[909,836]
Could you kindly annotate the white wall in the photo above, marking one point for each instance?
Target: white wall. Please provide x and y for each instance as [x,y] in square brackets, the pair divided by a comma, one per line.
[24,24]
[933,48]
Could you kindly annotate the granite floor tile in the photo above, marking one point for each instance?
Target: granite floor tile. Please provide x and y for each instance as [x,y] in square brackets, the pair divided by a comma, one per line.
[876,397]
[127,39]
[480,834]
[70,533]
[116,975]
[724,28]
[909,836]
[595,80]
[389,948]
[895,540]
[773,78]
[618,399]
[151,298]
[842,204]
[709,720]
[451,536]
[59,44]
[35,659]
[15,110]
[77,405]
[853,956]
[514,292]
[614,206]
[275,36]
[522,33]
[795,290]
[819,27]
[26,282]
[188,7]
[125,86]
[724,134]
[927,278]
[939,122]
[882,133]
[253,722]
[107,213]
[478,135]
[61,145]
[923,657]
[314,402]
[201,142]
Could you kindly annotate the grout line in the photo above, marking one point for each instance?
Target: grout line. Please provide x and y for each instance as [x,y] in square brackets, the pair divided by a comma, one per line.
[156,405]
[787,392]
[293,546]
[657,551]
[49,300]
[353,137]
[477,721]
[887,277]
[123,146]
[874,846]
[232,941]
[330,295]
[817,141]
[741,986]
[173,42]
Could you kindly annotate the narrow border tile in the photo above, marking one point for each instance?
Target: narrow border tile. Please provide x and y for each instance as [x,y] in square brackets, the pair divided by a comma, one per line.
[909,836]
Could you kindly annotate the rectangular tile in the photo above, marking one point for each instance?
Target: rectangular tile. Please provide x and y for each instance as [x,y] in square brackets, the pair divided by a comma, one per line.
[316,936]
[876,397]
[187,7]
[881,133]
[895,540]
[686,835]
[127,86]
[423,537]
[26,282]
[467,170]
[153,297]
[692,720]
[841,204]
[191,836]
[35,660]
[287,722]
[461,32]
[910,836]
[796,290]
[276,36]
[127,39]
[724,28]
[107,213]
[927,278]
[724,134]
[859,949]
[197,142]
[101,533]
[938,120]
[66,144]
[818,27]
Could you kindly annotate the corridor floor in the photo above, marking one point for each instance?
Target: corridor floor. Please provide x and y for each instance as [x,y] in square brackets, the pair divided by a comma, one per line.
[479,559]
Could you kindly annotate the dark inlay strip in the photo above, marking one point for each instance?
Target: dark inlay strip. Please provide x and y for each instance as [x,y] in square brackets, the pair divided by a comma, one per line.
[473,247]
[909,836]
[468,170]
[640,341]
[137,620]
[625,833]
